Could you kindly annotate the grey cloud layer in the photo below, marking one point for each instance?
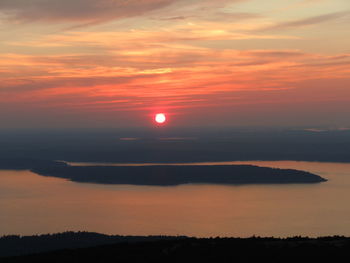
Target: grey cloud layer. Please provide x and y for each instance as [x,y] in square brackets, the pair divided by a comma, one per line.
[77,10]
[92,11]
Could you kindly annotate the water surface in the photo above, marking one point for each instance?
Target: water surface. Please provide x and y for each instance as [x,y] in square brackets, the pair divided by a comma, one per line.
[32,204]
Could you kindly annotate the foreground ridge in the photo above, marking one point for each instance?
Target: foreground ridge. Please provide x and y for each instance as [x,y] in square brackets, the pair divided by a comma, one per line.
[178,249]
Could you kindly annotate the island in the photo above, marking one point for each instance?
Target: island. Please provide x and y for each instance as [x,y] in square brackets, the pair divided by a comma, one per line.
[170,175]
[163,175]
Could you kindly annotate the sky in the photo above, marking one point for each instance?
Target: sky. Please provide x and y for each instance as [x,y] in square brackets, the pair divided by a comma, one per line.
[205,63]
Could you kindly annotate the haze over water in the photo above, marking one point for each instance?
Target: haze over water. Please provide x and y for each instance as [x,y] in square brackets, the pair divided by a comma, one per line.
[32,204]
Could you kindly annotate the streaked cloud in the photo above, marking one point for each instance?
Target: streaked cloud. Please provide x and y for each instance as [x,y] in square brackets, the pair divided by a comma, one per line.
[309,21]
[92,11]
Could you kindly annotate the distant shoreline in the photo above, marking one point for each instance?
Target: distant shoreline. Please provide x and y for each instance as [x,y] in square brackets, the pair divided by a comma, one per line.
[116,163]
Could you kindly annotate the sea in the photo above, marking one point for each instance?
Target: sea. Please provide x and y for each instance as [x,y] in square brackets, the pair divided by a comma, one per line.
[33,204]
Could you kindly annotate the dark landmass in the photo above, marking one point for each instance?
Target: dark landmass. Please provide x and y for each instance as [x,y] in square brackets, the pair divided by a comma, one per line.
[14,245]
[27,164]
[169,145]
[167,175]
[163,175]
[180,249]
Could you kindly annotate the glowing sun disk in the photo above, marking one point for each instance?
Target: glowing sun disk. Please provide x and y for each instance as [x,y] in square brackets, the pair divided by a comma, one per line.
[160,118]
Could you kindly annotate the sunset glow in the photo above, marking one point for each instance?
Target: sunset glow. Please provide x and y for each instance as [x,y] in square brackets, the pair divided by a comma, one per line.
[139,122]
[227,62]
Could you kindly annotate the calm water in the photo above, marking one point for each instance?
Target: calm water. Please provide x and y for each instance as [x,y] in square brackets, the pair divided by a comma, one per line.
[31,204]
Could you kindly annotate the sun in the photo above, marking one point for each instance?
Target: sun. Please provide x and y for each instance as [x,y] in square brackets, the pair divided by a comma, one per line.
[160,118]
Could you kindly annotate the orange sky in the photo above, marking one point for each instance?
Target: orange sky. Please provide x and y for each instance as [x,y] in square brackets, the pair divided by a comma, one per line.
[114,63]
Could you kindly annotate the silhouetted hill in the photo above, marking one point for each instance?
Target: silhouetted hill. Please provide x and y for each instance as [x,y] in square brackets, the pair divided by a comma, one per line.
[176,175]
[21,245]
[297,249]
